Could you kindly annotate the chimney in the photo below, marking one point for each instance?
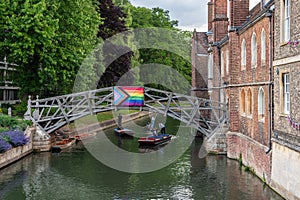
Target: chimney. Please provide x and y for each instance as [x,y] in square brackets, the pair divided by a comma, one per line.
[210,14]
[239,12]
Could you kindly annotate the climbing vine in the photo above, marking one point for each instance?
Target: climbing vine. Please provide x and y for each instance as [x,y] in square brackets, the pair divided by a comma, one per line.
[294,42]
[293,123]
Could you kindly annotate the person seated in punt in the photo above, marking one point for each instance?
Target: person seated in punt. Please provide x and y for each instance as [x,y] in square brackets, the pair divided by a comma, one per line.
[162,128]
[120,122]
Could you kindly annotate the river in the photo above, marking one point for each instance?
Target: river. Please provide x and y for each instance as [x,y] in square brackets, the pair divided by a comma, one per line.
[77,174]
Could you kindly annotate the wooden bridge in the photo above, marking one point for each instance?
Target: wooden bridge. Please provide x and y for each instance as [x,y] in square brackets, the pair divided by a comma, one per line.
[50,114]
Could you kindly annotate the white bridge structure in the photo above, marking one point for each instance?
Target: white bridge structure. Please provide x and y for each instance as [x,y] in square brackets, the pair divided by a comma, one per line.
[50,114]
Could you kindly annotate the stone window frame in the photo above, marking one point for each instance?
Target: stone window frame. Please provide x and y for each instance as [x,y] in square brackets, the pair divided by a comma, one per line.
[228,14]
[210,66]
[285,110]
[222,64]
[253,50]
[285,20]
[243,54]
[261,104]
[227,62]
[263,47]
[243,102]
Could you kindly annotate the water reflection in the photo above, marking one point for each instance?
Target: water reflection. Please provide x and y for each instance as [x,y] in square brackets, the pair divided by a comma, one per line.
[76,174]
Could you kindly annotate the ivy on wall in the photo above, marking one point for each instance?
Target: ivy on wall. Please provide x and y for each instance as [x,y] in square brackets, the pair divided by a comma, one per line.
[293,123]
[294,42]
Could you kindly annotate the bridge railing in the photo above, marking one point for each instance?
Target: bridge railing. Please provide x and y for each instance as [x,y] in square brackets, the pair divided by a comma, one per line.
[205,115]
[55,112]
[52,113]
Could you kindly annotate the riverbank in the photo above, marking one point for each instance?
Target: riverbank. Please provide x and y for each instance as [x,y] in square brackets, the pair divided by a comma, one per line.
[81,128]
[19,152]
[15,154]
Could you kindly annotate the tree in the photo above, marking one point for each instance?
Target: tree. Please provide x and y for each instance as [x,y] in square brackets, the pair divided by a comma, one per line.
[48,40]
[113,23]
[175,40]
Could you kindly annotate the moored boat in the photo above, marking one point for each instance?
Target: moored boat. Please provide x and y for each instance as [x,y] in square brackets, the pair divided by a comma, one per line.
[124,132]
[154,139]
[63,144]
[84,136]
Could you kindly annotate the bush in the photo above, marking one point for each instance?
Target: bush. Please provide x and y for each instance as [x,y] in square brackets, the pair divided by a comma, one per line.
[4,146]
[21,125]
[15,138]
[7,122]
[20,109]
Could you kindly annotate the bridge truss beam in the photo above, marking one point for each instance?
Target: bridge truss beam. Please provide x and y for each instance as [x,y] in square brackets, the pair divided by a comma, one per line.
[50,114]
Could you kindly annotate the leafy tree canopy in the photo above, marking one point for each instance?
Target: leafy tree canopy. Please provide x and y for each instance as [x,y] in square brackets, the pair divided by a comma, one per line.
[48,40]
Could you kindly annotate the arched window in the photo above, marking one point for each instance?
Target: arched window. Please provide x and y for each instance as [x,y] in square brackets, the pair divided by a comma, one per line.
[210,66]
[227,62]
[253,50]
[243,105]
[222,96]
[263,47]
[261,103]
[243,54]
[222,64]
[228,13]
[249,102]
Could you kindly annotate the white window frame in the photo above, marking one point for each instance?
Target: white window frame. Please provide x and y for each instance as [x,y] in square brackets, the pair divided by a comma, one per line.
[228,13]
[263,47]
[287,20]
[210,66]
[227,62]
[222,64]
[261,103]
[243,54]
[286,93]
[253,50]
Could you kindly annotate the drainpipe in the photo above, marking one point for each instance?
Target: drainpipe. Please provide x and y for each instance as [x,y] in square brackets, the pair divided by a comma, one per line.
[269,14]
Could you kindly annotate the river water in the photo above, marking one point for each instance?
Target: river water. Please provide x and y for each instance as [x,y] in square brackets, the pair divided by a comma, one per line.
[76,174]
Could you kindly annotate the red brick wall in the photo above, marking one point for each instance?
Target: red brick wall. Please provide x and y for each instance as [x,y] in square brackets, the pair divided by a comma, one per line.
[251,77]
[253,154]
[239,12]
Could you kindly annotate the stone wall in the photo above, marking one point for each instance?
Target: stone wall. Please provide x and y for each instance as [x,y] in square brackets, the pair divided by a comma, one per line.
[17,153]
[252,154]
[285,171]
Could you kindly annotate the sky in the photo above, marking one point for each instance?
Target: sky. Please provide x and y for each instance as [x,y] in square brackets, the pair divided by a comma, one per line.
[191,14]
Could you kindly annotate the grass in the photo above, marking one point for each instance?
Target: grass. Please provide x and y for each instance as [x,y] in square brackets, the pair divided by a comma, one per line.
[100,117]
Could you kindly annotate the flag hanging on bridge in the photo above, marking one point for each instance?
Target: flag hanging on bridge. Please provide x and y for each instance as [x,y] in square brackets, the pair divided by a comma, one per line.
[128,96]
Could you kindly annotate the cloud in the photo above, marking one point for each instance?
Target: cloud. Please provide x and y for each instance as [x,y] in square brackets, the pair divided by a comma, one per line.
[190,13]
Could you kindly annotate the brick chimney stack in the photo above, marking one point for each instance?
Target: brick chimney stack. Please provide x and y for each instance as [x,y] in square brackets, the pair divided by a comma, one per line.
[239,11]
[217,19]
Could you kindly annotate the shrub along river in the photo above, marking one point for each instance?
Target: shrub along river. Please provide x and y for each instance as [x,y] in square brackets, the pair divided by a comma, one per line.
[76,174]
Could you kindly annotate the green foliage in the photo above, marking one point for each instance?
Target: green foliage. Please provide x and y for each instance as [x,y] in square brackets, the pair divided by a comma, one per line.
[172,48]
[3,129]
[7,122]
[48,40]
[247,169]
[240,160]
[19,109]
[156,17]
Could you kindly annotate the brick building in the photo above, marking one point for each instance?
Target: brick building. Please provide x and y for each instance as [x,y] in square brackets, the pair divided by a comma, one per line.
[286,137]
[240,46]
[254,65]
[199,64]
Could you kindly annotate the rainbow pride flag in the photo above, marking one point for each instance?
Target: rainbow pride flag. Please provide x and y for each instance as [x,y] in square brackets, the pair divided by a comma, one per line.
[128,96]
